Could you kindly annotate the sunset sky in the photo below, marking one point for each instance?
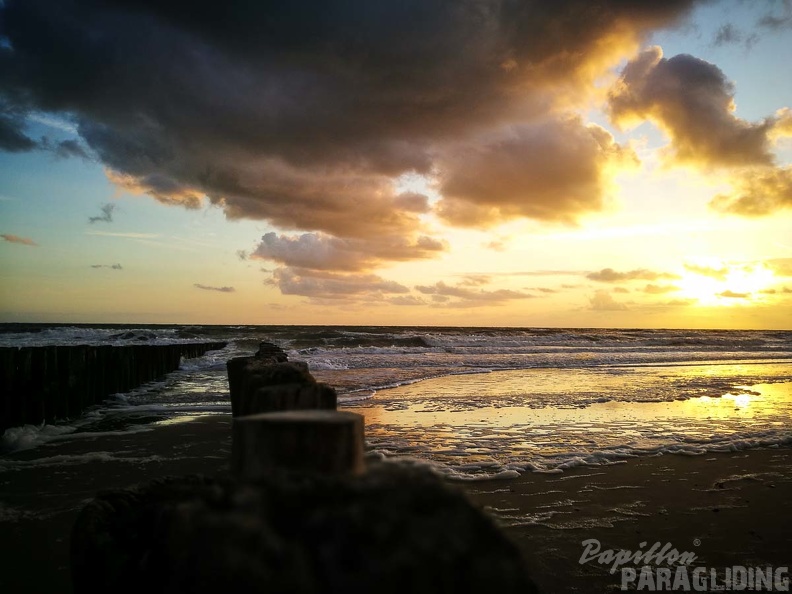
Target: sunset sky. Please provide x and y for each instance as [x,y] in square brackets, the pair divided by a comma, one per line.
[508,163]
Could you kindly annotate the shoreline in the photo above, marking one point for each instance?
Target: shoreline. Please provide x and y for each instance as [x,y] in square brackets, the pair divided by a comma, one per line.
[733,503]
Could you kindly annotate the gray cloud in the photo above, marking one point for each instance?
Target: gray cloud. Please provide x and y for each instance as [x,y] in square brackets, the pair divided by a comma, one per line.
[779,19]
[218,289]
[324,252]
[693,101]
[468,297]
[111,266]
[12,136]
[408,300]
[70,148]
[729,34]
[326,285]
[106,216]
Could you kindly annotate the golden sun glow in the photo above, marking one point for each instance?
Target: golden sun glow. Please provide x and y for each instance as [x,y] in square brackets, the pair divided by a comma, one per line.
[721,284]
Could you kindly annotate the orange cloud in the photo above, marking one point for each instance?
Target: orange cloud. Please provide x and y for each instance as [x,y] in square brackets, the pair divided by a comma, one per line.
[604,301]
[17,239]
[609,275]
[757,192]
[653,289]
[554,170]
[716,273]
[734,295]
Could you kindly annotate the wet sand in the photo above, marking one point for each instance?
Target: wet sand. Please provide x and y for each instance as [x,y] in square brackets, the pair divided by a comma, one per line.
[729,509]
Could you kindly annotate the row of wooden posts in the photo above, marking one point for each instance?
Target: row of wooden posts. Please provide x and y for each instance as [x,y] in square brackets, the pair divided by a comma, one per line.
[41,384]
[285,420]
[300,514]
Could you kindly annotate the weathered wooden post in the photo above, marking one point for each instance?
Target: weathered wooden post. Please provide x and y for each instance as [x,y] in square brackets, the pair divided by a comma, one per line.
[77,383]
[313,441]
[35,411]
[22,396]
[7,375]
[258,385]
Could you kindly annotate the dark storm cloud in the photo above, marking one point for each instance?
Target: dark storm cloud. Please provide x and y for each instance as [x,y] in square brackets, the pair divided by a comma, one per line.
[694,103]
[12,136]
[70,148]
[302,113]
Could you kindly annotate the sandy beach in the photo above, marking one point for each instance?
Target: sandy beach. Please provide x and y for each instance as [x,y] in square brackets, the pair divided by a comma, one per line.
[728,509]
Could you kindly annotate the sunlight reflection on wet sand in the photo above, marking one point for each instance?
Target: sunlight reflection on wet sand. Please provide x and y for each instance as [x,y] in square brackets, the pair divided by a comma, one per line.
[535,419]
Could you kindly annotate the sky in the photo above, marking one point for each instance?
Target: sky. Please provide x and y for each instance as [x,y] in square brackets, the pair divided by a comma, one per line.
[420,162]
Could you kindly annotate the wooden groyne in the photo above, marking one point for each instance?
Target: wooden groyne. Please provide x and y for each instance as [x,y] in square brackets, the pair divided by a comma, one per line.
[39,384]
[301,511]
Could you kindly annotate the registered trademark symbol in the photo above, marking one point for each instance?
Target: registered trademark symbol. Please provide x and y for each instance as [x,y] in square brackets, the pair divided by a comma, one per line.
[696,542]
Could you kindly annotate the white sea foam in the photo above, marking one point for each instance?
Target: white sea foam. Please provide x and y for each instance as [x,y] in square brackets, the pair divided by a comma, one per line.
[7,465]
[11,514]
[326,364]
[548,384]
[30,436]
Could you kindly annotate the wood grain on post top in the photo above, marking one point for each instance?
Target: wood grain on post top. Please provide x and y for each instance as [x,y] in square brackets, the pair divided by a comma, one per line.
[320,441]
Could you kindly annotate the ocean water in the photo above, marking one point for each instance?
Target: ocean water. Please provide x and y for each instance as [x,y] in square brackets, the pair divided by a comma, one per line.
[477,403]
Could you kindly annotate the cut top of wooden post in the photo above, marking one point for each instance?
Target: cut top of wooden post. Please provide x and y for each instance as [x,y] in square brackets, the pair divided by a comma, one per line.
[313,441]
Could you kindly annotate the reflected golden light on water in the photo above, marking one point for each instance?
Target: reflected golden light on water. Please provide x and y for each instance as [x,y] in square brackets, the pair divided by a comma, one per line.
[178,419]
[741,400]
[545,417]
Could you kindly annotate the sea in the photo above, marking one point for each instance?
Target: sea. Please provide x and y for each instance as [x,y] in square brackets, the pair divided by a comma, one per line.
[474,403]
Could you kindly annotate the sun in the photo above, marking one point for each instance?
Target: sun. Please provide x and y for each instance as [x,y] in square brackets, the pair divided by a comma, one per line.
[721,284]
